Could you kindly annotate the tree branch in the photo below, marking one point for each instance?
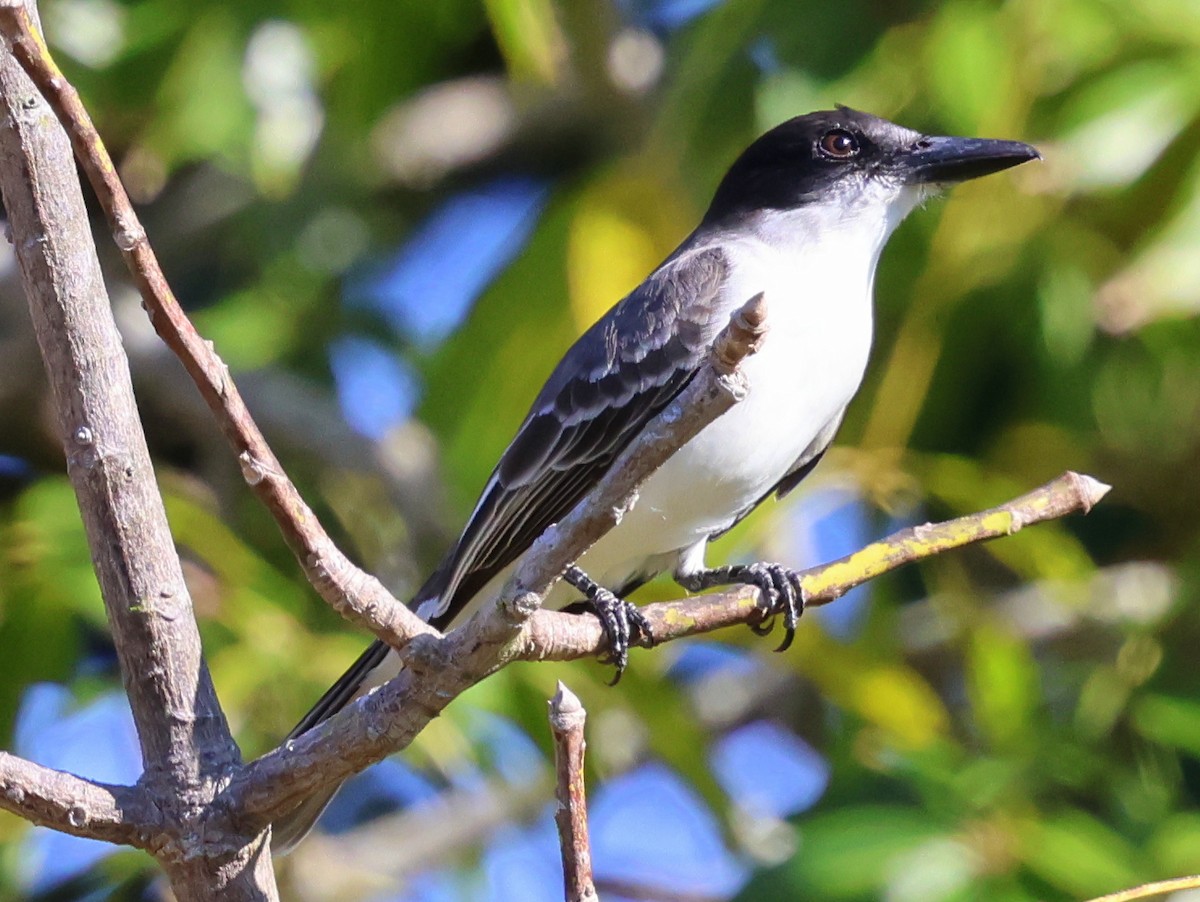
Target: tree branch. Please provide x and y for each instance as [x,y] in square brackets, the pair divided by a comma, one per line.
[71,804]
[186,745]
[352,592]
[148,605]
[567,719]
[1157,888]
[553,635]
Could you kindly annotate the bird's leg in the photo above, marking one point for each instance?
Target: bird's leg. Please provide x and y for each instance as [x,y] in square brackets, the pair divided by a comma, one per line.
[782,590]
[622,621]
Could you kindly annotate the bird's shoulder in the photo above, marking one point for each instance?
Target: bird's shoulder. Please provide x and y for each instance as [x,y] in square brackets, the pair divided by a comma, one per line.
[655,335]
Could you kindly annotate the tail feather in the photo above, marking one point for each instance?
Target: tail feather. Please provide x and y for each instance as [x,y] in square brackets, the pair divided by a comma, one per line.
[288,830]
[344,690]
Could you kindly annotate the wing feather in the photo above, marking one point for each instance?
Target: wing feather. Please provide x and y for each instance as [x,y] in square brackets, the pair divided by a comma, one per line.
[618,376]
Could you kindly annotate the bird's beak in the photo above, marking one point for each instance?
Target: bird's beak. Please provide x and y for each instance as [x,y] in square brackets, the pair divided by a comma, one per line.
[937,160]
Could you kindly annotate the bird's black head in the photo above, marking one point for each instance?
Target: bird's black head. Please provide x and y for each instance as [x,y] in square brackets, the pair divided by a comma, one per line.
[851,158]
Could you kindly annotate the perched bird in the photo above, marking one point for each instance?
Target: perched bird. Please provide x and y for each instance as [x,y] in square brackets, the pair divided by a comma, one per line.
[801,216]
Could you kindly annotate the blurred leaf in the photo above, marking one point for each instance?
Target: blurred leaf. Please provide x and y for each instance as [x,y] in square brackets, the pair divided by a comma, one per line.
[205,110]
[1169,720]
[1120,123]
[1003,683]
[1080,855]
[1175,844]
[624,226]
[48,592]
[887,694]
[970,58]
[850,852]
[529,38]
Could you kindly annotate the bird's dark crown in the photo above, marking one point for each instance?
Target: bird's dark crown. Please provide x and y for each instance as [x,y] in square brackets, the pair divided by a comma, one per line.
[798,162]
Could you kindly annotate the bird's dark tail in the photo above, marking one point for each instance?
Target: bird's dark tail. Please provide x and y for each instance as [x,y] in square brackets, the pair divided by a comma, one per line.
[296,824]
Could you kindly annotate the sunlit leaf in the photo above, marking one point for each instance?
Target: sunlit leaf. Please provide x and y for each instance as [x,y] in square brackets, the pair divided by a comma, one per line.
[1078,854]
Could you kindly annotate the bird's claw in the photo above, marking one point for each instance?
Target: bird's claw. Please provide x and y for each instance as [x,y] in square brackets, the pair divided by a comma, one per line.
[624,625]
[623,622]
[783,591]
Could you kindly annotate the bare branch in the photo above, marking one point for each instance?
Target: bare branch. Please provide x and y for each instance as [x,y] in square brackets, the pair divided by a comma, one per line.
[186,745]
[184,737]
[552,635]
[567,719]
[71,804]
[356,595]
[1147,890]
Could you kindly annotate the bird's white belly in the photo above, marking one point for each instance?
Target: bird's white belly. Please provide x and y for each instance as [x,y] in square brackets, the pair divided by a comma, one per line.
[810,365]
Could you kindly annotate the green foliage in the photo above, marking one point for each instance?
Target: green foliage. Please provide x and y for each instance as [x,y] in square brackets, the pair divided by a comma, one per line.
[1016,722]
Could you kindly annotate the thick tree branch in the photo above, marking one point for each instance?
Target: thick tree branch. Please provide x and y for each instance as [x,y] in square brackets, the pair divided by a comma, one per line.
[185,741]
[54,798]
[148,604]
[352,592]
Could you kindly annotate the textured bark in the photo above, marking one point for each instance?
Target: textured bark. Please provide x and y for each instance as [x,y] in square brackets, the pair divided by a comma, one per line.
[567,719]
[186,745]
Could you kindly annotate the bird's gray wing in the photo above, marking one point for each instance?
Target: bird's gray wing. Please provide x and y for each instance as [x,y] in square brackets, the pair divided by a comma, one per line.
[617,376]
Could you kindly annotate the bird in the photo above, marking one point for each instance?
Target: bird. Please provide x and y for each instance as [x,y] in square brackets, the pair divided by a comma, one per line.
[801,217]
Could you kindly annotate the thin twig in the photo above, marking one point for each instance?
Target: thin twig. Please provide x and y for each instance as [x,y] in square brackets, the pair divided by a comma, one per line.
[553,635]
[567,718]
[1146,890]
[355,594]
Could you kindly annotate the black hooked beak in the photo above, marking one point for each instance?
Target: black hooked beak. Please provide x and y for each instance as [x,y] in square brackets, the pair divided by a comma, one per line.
[938,160]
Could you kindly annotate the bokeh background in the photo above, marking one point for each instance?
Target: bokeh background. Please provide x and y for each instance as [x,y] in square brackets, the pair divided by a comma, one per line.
[392,216]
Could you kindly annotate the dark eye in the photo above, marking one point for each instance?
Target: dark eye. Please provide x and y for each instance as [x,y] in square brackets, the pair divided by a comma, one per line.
[838,144]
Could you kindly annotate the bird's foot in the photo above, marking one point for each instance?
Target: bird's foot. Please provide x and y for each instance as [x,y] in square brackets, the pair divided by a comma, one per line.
[782,589]
[623,623]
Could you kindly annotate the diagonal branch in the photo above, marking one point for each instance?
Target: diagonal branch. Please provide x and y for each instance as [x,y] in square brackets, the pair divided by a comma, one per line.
[355,594]
[71,804]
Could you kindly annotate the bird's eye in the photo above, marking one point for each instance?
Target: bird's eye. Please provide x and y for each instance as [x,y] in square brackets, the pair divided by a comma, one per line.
[838,144]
